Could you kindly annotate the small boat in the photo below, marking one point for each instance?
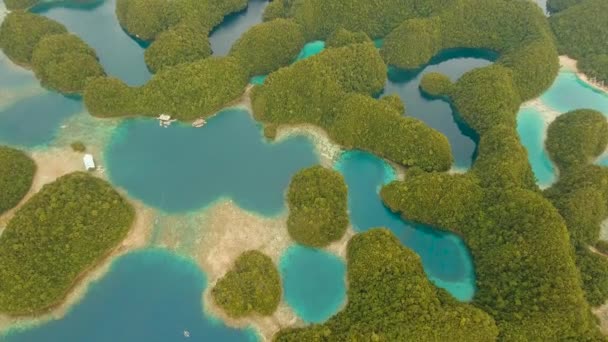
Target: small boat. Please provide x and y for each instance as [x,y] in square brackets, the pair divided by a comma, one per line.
[199,123]
[186,333]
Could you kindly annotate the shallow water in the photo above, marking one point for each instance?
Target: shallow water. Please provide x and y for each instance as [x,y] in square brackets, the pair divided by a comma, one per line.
[120,55]
[133,303]
[230,30]
[313,282]
[532,130]
[180,168]
[568,92]
[438,113]
[445,258]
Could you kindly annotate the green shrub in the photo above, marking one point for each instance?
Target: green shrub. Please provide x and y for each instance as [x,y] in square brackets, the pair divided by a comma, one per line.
[65,63]
[270,131]
[269,46]
[317,199]
[20,32]
[342,37]
[78,146]
[16,175]
[577,138]
[180,44]
[435,84]
[252,286]
[56,236]
[391,299]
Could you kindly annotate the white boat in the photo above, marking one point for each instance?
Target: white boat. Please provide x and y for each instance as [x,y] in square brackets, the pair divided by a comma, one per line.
[199,123]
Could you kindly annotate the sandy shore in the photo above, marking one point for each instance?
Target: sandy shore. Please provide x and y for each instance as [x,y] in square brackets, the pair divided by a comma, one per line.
[571,64]
[327,150]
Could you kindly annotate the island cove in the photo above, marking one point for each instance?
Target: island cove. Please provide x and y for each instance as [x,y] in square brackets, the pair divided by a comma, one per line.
[237,208]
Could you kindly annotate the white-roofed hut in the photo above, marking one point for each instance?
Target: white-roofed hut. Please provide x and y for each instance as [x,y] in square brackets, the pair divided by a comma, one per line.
[89,162]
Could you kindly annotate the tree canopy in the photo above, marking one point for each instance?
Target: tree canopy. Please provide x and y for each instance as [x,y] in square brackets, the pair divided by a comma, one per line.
[16,175]
[317,199]
[391,299]
[253,285]
[58,234]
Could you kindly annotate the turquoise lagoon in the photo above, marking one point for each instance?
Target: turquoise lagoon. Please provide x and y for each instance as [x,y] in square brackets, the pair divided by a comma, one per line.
[445,258]
[151,295]
[313,282]
[569,92]
[310,49]
[181,168]
[438,113]
[532,129]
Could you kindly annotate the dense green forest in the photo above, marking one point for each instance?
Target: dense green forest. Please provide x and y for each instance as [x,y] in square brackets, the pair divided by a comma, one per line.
[435,84]
[58,234]
[186,91]
[317,199]
[252,286]
[179,29]
[582,33]
[16,175]
[332,90]
[20,4]
[61,61]
[391,299]
[342,37]
[261,50]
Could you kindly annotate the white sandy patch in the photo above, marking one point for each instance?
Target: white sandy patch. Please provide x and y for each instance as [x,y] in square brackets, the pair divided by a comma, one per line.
[327,150]
[571,64]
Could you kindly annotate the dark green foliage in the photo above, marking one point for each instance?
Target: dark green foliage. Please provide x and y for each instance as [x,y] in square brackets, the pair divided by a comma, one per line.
[20,32]
[596,67]
[78,146]
[65,63]
[317,199]
[394,101]
[602,246]
[577,138]
[502,161]
[342,37]
[584,210]
[20,4]
[435,84]
[280,9]
[526,275]
[592,176]
[368,124]
[56,236]
[269,46]
[186,91]
[144,18]
[252,286]
[594,273]
[555,6]
[391,299]
[16,175]
[180,44]
[486,98]
[516,29]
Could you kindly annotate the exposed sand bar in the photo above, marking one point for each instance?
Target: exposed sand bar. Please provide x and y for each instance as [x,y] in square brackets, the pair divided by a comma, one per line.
[326,149]
[571,64]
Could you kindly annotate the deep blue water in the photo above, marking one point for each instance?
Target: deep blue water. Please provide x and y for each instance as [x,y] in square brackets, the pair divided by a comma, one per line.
[313,282]
[445,258]
[181,168]
[230,30]
[437,113]
[150,295]
[531,129]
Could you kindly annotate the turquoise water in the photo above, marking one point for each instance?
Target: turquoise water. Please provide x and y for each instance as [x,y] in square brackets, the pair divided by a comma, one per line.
[603,161]
[531,129]
[309,50]
[181,168]
[234,25]
[437,113]
[568,92]
[120,55]
[445,258]
[133,303]
[313,282]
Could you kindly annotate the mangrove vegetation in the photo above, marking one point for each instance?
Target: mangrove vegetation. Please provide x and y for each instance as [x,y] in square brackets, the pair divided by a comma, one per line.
[16,175]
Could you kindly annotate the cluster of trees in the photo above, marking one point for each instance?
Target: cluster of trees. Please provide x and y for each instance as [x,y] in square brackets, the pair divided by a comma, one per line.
[16,175]
[435,84]
[317,199]
[262,50]
[332,90]
[186,91]
[252,286]
[527,278]
[57,235]
[582,33]
[391,299]
[61,61]
[577,138]
[342,37]
[179,28]
[517,30]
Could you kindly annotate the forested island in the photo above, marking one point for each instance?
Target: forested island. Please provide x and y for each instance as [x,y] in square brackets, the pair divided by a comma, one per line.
[539,262]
